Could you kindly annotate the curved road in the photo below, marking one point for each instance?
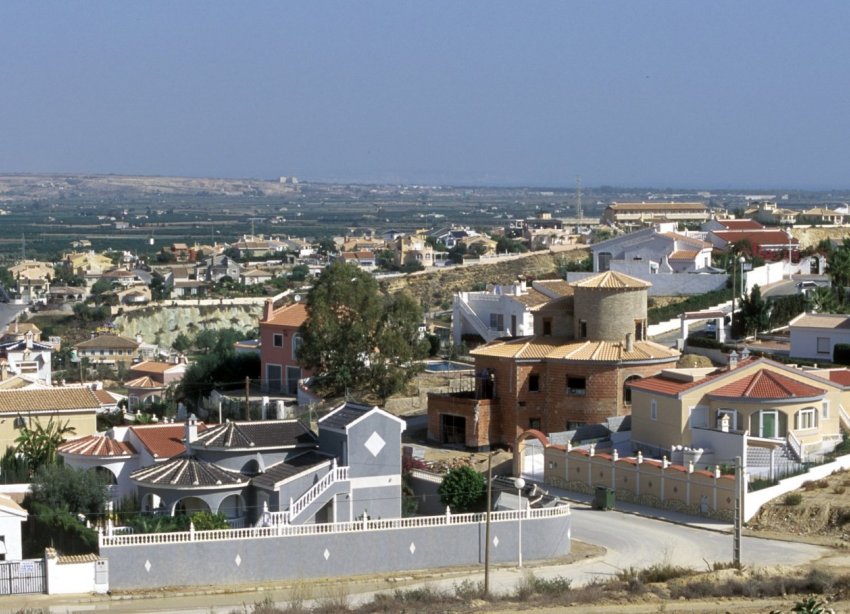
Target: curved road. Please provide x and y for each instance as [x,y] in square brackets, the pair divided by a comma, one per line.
[630,541]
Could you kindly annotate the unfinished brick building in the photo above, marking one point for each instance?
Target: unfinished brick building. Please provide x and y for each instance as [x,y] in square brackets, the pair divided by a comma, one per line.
[571,372]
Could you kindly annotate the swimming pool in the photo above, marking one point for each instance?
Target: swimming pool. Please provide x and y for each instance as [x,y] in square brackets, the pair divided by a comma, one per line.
[441,366]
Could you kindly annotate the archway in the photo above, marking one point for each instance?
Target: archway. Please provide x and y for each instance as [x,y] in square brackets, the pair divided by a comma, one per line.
[190,505]
[528,454]
[106,475]
[232,506]
[151,503]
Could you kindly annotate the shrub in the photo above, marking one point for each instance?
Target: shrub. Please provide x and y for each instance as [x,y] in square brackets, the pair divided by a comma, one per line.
[822,483]
[792,498]
[838,490]
[462,488]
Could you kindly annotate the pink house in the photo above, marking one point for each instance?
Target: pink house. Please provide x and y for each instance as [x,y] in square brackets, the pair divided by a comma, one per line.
[279,342]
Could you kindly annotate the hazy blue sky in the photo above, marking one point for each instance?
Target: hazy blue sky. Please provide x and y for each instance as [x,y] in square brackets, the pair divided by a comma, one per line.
[707,94]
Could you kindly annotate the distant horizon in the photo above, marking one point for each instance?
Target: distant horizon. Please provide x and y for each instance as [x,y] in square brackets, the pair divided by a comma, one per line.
[569,187]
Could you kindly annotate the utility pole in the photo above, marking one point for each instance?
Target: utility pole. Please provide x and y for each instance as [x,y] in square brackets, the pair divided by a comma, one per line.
[739,513]
[579,212]
[487,525]
[247,398]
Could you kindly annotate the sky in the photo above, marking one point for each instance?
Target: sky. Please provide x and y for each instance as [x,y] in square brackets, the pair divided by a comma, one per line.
[633,93]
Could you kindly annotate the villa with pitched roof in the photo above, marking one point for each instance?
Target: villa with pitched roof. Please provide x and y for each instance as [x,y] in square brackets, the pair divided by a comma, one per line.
[266,472]
[666,252]
[280,338]
[740,410]
[76,406]
[570,372]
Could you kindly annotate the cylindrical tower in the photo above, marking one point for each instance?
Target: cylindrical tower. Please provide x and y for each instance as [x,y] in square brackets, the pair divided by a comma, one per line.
[610,306]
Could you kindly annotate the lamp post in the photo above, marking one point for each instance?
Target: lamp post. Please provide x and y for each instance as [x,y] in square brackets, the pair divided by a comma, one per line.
[520,484]
[741,261]
[734,292]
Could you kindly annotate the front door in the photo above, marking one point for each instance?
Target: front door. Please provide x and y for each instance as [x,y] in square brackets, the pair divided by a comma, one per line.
[769,427]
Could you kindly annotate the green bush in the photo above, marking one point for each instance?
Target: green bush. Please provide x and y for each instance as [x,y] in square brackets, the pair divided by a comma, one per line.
[462,488]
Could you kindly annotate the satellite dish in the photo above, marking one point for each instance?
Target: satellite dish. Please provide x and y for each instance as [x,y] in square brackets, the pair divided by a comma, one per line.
[297,298]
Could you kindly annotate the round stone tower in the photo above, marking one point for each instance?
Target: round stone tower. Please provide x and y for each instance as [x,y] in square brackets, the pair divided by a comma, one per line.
[610,306]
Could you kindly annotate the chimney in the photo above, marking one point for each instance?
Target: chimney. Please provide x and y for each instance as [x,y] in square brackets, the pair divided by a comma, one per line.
[630,342]
[523,288]
[191,430]
[138,337]
[268,309]
[28,337]
[733,360]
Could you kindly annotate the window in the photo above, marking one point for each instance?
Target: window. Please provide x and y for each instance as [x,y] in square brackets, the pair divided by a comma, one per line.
[653,410]
[823,345]
[807,418]
[733,418]
[604,260]
[627,390]
[277,340]
[534,382]
[582,329]
[547,326]
[640,328]
[534,423]
[497,321]
[573,425]
[296,345]
[825,410]
[576,386]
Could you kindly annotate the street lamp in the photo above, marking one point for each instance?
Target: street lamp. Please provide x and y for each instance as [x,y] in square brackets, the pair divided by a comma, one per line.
[520,484]
[741,261]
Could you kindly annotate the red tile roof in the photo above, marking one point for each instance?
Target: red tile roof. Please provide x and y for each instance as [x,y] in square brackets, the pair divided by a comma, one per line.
[164,441]
[291,315]
[741,224]
[756,237]
[765,384]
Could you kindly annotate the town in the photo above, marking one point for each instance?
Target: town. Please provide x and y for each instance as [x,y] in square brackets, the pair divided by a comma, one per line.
[209,404]
[470,307]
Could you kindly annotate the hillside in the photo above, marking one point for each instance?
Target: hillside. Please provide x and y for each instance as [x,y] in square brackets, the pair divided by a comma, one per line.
[810,237]
[436,288]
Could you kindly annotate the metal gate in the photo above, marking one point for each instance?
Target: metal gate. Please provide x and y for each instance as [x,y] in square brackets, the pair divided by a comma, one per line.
[20,577]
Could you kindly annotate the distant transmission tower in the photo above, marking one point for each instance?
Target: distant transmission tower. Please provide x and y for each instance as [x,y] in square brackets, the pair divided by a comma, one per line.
[579,213]
[23,247]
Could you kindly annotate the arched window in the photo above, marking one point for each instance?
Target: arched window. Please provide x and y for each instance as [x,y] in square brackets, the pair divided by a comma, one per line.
[627,391]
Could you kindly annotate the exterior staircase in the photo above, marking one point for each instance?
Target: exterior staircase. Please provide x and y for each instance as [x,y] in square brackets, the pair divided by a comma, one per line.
[331,484]
[487,333]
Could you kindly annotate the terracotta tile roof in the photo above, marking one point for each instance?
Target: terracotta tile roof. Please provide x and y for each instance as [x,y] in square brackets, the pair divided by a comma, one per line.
[545,347]
[144,382]
[740,224]
[556,286]
[756,237]
[105,397]
[187,473]
[683,255]
[611,280]
[822,320]
[152,366]
[110,342]
[47,399]
[765,384]
[96,445]
[532,298]
[163,441]
[291,315]
[261,434]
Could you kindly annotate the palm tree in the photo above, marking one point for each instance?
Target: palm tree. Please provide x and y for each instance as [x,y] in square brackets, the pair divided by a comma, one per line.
[822,300]
[839,271]
[38,445]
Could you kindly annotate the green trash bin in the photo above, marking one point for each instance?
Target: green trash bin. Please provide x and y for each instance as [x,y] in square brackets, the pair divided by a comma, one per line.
[604,498]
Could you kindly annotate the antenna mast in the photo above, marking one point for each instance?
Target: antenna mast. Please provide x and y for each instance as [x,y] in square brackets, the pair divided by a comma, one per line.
[579,212]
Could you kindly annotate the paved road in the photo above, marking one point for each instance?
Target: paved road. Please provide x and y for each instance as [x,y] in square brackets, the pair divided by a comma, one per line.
[630,541]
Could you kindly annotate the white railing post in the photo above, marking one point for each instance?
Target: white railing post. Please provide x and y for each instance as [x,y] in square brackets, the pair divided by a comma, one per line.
[191,531]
